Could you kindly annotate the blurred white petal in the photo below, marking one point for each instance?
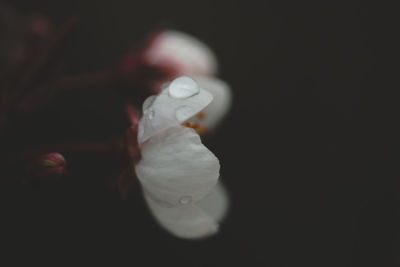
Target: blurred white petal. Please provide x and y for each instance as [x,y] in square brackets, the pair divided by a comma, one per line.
[185,221]
[216,204]
[185,53]
[219,107]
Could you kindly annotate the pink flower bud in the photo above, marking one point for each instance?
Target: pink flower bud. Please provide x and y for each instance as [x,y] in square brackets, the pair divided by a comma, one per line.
[52,165]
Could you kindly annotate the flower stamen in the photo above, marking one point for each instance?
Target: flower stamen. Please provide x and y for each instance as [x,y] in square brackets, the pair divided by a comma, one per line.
[196,126]
[201,115]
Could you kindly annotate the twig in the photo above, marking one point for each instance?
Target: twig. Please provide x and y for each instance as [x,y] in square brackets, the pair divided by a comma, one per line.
[60,148]
[48,56]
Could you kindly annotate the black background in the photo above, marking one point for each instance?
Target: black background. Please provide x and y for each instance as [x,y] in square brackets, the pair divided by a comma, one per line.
[305,151]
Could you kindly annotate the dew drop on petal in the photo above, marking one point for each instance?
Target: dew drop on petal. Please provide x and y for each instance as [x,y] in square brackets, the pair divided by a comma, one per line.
[185,200]
[183,87]
[182,113]
[151,114]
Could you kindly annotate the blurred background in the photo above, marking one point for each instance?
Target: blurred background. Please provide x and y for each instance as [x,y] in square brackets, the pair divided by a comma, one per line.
[305,151]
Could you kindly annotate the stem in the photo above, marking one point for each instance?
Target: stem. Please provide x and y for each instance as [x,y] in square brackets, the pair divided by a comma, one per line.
[97,79]
[44,60]
[77,147]
[19,85]
[12,162]
[133,114]
[60,148]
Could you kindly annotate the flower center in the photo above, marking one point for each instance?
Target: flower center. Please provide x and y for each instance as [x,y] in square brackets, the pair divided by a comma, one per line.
[200,129]
[201,115]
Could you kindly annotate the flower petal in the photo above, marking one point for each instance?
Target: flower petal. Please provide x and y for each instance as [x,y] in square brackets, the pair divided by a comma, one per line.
[176,168]
[185,53]
[216,204]
[219,107]
[166,110]
[186,221]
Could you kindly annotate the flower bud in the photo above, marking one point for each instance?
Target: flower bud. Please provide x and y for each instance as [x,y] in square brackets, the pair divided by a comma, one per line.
[50,166]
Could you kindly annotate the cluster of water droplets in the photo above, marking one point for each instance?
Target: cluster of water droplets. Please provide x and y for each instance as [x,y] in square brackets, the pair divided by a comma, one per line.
[180,88]
[179,100]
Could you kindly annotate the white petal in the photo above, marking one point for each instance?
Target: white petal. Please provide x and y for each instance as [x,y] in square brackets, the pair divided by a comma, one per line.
[176,167]
[148,102]
[216,204]
[186,221]
[165,110]
[186,53]
[220,105]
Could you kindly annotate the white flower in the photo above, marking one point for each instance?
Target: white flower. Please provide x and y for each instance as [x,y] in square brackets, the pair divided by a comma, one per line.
[178,54]
[178,173]
[186,54]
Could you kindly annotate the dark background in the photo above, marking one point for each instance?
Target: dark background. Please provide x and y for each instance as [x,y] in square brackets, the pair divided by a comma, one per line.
[305,152]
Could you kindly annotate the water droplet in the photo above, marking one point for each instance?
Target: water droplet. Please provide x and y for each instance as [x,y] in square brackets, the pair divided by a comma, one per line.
[151,114]
[185,200]
[183,87]
[183,113]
